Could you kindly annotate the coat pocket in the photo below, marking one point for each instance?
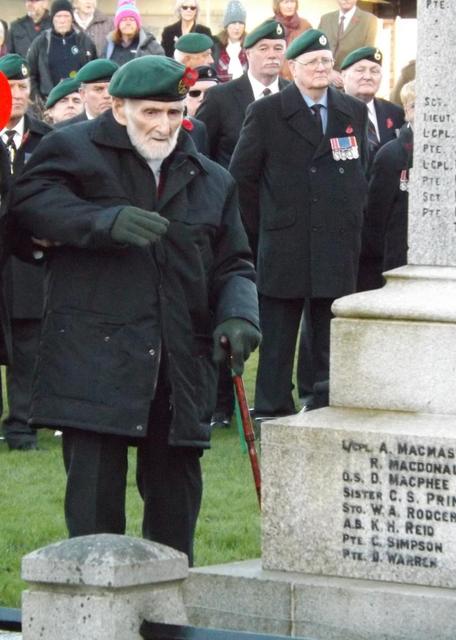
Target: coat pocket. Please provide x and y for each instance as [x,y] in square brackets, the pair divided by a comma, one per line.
[94,358]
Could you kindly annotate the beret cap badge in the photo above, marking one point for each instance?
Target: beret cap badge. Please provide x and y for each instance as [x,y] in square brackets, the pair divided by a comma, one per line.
[323,40]
[377,55]
[24,70]
[279,29]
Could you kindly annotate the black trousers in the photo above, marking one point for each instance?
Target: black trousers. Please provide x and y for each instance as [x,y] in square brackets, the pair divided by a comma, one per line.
[168,479]
[305,365]
[279,319]
[19,381]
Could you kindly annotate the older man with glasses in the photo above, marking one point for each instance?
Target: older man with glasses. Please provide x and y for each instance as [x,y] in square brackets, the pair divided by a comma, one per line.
[300,167]
[24,30]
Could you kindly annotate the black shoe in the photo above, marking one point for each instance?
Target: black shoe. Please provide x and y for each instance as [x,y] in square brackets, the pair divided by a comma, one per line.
[221,421]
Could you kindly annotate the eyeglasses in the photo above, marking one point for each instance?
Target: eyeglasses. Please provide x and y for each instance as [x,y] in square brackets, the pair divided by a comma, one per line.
[313,64]
[195,93]
[187,7]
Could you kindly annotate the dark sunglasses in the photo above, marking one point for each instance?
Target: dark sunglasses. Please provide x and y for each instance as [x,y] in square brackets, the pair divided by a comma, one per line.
[186,6]
[195,93]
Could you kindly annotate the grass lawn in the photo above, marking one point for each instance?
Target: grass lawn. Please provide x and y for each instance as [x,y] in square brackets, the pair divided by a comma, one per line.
[31,503]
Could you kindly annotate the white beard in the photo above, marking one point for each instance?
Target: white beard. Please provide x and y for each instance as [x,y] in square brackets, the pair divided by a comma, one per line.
[151,149]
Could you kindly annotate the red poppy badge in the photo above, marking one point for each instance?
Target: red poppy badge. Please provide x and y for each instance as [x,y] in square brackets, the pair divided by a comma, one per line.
[389,123]
[349,130]
[187,124]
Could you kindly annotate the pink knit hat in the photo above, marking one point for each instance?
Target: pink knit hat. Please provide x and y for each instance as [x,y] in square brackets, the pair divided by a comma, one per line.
[127,9]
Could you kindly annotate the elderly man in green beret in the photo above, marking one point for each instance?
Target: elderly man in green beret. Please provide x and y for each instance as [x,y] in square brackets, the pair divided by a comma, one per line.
[24,282]
[64,102]
[151,278]
[362,77]
[300,167]
[194,50]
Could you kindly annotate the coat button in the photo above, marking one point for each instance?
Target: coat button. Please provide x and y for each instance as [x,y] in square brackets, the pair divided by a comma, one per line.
[314,199]
[151,352]
[107,338]
[139,427]
[341,170]
[192,172]
[313,169]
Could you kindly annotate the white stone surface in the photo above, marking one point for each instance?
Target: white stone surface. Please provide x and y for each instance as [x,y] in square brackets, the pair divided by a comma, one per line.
[361,494]
[432,230]
[317,607]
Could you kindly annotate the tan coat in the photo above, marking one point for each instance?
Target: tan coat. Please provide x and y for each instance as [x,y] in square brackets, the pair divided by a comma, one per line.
[361,32]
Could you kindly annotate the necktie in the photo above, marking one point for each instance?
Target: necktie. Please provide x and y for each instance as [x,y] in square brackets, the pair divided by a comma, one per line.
[267,92]
[372,137]
[340,33]
[11,146]
[316,109]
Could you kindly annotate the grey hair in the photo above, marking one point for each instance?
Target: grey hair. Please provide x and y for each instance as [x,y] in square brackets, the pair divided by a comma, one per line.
[179,3]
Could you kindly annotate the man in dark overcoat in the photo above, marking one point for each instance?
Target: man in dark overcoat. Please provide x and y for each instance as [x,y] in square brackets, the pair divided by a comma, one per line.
[299,165]
[23,282]
[138,302]
[224,107]
[223,112]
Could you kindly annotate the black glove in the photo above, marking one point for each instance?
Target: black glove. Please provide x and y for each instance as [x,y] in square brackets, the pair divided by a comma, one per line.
[237,338]
[138,227]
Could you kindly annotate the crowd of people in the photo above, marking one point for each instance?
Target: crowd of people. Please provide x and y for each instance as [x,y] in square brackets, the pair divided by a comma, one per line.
[170,206]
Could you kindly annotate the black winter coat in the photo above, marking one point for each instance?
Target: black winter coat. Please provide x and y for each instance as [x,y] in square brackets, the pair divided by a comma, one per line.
[302,209]
[112,310]
[24,282]
[386,218]
[37,58]
[5,184]
[23,31]
[173,32]
[223,112]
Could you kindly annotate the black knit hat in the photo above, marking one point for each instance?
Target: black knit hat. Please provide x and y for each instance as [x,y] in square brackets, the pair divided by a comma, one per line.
[60,5]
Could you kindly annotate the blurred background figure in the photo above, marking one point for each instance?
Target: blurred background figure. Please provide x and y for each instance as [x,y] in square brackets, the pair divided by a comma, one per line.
[59,52]
[92,22]
[129,39]
[187,12]
[407,75]
[348,29]
[64,102]
[286,12]
[24,30]
[386,217]
[194,50]
[207,78]
[24,283]
[3,36]
[229,53]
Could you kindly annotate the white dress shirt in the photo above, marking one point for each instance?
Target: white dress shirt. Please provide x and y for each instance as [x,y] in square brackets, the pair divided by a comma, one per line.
[258,87]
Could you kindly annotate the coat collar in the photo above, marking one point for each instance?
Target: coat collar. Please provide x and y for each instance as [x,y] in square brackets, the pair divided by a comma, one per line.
[302,121]
[182,166]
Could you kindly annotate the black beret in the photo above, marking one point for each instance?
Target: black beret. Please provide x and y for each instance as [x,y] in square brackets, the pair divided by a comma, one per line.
[207,72]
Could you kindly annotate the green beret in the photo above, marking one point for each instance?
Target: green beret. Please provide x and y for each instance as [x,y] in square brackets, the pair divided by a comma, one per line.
[100,70]
[194,43]
[310,40]
[14,66]
[269,29]
[153,77]
[64,88]
[365,53]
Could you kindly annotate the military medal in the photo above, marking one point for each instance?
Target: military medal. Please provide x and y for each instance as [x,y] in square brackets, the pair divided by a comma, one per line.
[403,182]
[344,148]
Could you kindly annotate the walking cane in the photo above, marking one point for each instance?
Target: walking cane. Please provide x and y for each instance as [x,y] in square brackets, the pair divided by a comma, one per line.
[249,433]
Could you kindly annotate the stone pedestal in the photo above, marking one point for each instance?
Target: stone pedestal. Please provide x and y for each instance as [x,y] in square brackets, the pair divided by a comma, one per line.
[101,587]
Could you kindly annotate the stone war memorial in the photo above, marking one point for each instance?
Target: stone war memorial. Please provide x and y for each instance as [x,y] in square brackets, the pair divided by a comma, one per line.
[359,498]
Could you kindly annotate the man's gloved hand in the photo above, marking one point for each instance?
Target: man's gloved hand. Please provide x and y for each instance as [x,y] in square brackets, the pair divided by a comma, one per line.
[238,338]
[138,227]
